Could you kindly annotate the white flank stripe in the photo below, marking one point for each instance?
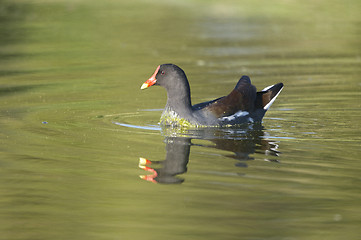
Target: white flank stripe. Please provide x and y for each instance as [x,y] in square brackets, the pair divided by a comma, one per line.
[236,115]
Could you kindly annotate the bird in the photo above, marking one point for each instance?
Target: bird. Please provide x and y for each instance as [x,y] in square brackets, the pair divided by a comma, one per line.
[243,105]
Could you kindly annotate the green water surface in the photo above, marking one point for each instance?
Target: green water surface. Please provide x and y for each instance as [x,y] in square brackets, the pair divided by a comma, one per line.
[74,122]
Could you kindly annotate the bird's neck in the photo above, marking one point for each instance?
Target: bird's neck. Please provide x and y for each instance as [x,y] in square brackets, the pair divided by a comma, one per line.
[179,99]
[179,104]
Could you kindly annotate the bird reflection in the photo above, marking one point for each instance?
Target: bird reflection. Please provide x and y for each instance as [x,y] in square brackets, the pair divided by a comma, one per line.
[238,144]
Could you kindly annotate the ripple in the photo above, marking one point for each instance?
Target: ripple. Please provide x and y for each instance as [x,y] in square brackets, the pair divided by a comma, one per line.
[147,119]
[154,128]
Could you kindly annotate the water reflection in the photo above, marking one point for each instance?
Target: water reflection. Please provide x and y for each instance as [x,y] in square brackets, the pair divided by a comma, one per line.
[238,144]
[12,14]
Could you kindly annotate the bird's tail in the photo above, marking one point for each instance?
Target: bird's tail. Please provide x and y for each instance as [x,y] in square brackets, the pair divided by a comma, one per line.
[267,96]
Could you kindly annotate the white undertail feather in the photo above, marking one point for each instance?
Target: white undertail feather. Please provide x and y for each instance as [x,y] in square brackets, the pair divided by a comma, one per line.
[268,105]
[266,88]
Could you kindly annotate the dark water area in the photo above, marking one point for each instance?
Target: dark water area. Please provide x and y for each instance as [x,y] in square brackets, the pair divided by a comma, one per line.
[82,155]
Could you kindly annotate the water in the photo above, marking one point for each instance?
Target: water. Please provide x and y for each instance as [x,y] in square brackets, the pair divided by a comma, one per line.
[75,129]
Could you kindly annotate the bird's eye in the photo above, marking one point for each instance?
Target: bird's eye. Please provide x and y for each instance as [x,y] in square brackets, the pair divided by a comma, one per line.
[162,72]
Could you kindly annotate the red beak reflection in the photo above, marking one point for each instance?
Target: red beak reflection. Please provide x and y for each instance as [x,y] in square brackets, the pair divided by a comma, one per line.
[142,165]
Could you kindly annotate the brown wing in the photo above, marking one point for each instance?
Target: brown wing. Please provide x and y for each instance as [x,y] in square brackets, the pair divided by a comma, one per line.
[242,98]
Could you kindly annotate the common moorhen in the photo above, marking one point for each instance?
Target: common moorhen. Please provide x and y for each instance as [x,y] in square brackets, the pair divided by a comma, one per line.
[243,105]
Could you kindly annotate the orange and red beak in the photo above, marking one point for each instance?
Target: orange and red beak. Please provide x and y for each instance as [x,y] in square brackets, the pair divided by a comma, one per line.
[152,80]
